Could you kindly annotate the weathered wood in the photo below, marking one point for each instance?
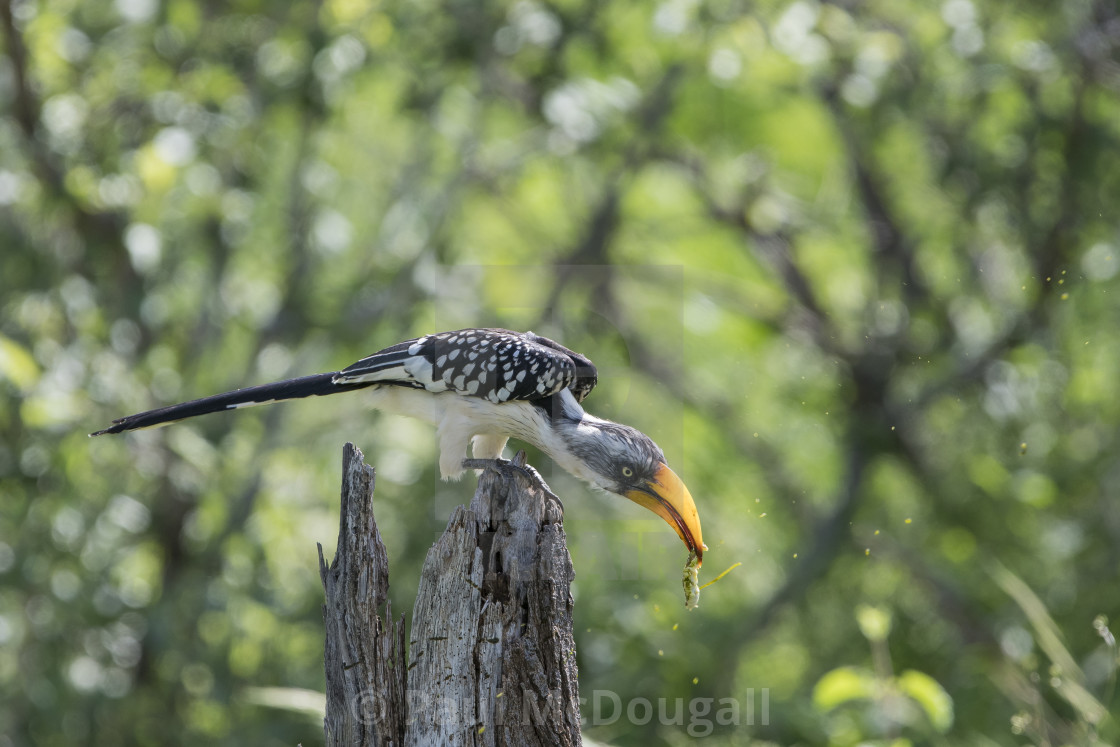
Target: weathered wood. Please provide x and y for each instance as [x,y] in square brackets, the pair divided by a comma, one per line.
[365,655]
[491,654]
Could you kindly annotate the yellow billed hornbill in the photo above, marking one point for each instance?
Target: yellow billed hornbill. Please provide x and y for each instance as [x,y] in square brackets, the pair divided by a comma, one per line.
[483,386]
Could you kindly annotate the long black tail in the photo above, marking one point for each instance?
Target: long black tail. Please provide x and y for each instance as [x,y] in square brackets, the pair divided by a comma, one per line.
[305,386]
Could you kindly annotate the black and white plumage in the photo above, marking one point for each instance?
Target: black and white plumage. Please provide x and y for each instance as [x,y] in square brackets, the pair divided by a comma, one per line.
[480,387]
[494,364]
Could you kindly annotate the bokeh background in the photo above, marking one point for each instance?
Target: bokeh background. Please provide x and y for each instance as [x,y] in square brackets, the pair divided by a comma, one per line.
[853,264]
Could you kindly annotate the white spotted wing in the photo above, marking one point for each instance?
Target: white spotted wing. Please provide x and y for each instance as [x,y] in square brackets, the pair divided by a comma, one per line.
[493,364]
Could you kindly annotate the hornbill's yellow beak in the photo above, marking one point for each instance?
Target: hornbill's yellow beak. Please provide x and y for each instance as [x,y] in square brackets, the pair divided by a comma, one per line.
[667,497]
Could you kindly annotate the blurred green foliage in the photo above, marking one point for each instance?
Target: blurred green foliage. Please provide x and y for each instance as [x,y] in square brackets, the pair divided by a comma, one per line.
[854,266]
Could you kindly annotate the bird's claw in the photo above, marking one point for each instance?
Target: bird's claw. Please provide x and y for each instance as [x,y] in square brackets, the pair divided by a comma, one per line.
[506,467]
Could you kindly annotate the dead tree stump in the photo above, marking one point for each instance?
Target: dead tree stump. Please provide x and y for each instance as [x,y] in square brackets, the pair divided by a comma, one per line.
[491,655]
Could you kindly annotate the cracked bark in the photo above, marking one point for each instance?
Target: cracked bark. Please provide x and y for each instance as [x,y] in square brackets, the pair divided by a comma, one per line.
[491,655]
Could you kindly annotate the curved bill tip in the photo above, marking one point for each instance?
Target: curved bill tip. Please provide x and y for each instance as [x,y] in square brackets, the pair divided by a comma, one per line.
[668,497]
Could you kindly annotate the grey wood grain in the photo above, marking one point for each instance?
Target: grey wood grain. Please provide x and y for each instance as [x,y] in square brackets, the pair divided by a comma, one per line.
[491,656]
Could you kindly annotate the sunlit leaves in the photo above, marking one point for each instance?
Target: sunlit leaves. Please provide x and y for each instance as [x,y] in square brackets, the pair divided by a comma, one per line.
[206,198]
[17,365]
[843,685]
[912,699]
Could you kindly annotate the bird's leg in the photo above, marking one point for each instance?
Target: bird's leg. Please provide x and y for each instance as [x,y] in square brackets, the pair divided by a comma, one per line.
[505,468]
[521,463]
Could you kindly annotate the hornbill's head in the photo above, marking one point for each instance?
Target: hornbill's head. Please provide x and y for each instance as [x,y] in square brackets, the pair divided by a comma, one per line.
[623,460]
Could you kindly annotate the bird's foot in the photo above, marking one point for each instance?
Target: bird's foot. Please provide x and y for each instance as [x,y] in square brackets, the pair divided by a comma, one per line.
[507,467]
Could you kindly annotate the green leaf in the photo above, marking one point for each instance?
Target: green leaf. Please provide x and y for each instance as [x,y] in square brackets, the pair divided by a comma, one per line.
[843,685]
[17,365]
[874,622]
[929,694]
